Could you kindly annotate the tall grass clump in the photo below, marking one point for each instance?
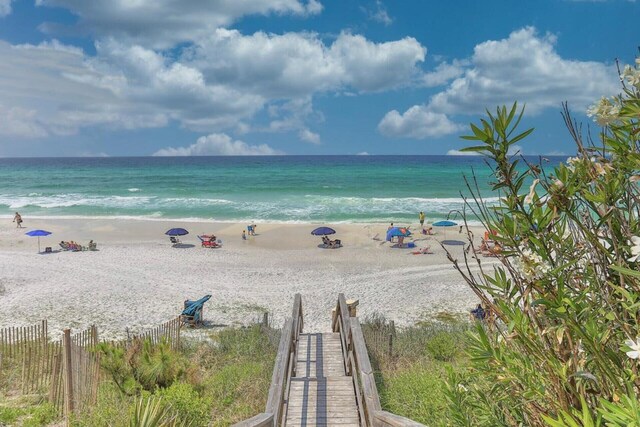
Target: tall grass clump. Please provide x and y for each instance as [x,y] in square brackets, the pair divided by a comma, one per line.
[565,348]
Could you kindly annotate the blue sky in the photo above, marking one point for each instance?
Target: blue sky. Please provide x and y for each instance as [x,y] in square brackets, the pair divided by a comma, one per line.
[204,77]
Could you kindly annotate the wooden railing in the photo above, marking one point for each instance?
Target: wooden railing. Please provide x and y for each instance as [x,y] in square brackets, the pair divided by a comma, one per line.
[358,366]
[283,370]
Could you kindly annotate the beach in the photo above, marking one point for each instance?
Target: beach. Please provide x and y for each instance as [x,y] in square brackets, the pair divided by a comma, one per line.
[137,279]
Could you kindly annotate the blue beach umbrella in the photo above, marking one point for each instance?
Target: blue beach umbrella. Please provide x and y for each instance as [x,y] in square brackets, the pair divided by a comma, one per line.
[446,223]
[323,231]
[397,232]
[37,233]
[176,232]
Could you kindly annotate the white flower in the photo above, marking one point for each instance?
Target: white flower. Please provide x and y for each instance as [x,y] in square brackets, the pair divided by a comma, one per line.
[635,348]
[635,249]
[558,185]
[572,162]
[602,168]
[531,265]
[532,192]
[631,75]
[605,111]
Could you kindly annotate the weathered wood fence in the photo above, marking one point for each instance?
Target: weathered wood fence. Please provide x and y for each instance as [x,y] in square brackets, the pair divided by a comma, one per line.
[67,370]
[168,331]
[28,355]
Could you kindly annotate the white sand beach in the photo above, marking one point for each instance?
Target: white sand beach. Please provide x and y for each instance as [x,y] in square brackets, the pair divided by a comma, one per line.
[137,279]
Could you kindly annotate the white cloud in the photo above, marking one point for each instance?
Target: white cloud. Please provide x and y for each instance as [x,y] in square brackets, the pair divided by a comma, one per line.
[163,23]
[462,153]
[308,136]
[19,122]
[5,8]
[217,85]
[218,145]
[444,73]
[525,67]
[38,83]
[378,13]
[298,64]
[417,122]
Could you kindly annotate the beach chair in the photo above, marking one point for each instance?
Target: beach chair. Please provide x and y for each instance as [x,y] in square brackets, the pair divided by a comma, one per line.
[192,313]
[174,240]
[209,242]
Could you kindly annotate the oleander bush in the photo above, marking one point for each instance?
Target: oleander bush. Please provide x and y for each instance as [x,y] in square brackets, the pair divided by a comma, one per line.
[564,349]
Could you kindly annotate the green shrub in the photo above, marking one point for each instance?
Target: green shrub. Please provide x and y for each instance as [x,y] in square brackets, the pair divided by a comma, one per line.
[443,346]
[142,366]
[158,366]
[9,415]
[186,403]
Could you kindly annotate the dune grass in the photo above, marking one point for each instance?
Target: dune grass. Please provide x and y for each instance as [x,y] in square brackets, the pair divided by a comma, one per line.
[411,373]
[218,381]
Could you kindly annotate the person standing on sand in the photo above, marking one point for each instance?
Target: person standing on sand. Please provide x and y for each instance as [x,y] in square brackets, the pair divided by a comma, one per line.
[18,220]
[421,217]
[244,235]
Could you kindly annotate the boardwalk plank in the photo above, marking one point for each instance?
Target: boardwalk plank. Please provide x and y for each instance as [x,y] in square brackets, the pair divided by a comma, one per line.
[321,394]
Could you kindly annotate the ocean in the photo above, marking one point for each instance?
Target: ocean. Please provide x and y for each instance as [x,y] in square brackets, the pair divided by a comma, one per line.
[333,189]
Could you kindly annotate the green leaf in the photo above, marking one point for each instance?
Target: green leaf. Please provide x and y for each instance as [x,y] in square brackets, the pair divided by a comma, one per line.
[626,271]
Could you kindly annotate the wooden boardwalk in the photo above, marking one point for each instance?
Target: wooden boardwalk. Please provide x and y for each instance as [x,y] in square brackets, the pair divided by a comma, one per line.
[320,393]
[324,379]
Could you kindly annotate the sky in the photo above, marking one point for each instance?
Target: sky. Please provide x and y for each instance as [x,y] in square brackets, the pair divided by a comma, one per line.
[299,77]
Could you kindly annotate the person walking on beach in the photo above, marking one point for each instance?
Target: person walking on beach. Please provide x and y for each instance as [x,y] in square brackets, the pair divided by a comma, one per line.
[18,220]
[421,217]
[244,235]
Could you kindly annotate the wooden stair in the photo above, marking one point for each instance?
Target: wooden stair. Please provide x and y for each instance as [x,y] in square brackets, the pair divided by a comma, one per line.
[320,393]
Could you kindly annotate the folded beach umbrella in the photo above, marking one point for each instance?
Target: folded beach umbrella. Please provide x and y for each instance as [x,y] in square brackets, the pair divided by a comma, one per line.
[397,232]
[323,231]
[176,232]
[37,233]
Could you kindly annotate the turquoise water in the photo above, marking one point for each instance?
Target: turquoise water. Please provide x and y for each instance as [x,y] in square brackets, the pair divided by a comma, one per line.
[277,189]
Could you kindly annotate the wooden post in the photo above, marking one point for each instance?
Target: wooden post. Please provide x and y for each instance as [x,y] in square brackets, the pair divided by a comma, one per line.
[352,304]
[390,345]
[265,319]
[68,374]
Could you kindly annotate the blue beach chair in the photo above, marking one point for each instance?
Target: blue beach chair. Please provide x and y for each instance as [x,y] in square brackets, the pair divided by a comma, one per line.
[192,313]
